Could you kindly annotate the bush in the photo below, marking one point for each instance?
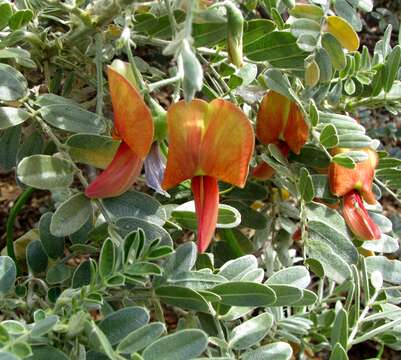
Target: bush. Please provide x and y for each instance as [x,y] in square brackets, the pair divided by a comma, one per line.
[256,229]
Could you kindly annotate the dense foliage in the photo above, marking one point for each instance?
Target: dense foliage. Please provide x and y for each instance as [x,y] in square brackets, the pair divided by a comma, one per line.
[256,229]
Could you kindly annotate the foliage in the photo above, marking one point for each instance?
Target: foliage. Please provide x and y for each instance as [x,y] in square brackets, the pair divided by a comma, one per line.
[101,278]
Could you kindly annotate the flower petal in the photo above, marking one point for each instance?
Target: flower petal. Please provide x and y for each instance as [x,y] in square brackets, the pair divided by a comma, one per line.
[296,131]
[206,196]
[118,177]
[263,171]
[344,180]
[132,118]
[213,139]
[272,117]
[154,169]
[358,219]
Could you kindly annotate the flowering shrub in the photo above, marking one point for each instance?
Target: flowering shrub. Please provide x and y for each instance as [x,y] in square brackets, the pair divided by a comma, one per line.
[214,193]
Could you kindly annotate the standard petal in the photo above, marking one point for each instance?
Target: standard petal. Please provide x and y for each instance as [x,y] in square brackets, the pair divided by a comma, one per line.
[206,196]
[228,143]
[186,127]
[296,131]
[272,117]
[118,177]
[132,118]
[358,219]
[213,139]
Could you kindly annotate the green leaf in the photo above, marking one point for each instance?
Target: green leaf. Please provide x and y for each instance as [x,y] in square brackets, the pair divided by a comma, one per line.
[392,67]
[72,118]
[42,352]
[6,11]
[9,145]
[182,297]
[278,82]
[140,338]
[386,244]
[43,326]
[8,274]
[71,215]
[354,140]
[152,231]
[308,11]
[297,276]
[185,214]
[313,113]
[135,204]
[339,331]
[335,51]
[338,353]
[306,189]
[82,275]
[53,245]
[143,268]
[329,241]
[308,298]
[390,269]
[343,123]
[10,116]
[237,268]
[305,27]
[36,257]
[117,325]
[250,332]
[182,260]
[197,280]
[286,295]
[107,259]
[245,294]
[45,172]
[92,149]
[58,273]
[182,345]
[20,19]
[279,48]
[344,160]
[276,351]
[13,85]
[328,136]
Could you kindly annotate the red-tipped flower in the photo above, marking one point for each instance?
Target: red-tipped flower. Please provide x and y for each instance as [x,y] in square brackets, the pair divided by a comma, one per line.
[207,142]
[344,180]
[134,126]
[358,219]
[279,118]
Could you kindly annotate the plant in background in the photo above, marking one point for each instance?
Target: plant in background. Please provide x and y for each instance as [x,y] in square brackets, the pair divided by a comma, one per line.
[284,267]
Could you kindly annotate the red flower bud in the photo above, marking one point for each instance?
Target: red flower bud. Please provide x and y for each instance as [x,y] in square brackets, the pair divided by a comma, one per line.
[358,219]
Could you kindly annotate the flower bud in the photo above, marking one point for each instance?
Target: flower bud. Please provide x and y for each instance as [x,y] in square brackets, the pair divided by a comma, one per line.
[235,30]
[358,219]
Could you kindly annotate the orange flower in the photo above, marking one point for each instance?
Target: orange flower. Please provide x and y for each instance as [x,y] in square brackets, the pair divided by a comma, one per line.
[134,126]
[344,180]
[279,118]
[207,142]
[358,219]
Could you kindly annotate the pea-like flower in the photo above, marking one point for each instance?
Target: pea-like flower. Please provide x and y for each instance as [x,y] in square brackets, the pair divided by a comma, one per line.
[207,142]
[354,185]
[134,126]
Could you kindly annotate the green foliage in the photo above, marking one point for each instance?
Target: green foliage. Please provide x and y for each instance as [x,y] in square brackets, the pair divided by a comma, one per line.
[101,279]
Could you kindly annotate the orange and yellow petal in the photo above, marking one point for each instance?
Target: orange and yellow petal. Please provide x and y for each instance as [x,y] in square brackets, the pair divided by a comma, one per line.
[132,118]
[118,177]
[272,117]
[296,131]
[214,139]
